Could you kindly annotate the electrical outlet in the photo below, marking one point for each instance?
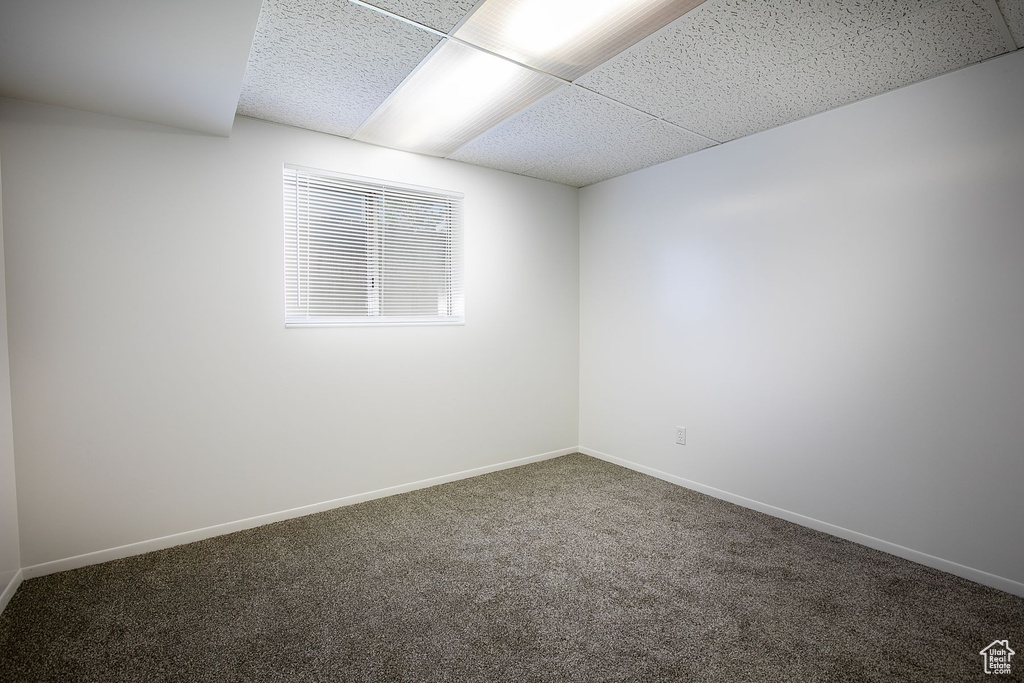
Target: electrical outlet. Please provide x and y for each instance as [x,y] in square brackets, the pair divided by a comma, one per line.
[681,436]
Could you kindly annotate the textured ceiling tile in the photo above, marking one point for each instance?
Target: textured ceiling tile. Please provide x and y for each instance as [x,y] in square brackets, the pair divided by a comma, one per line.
[1013,11]
[731,44]
[559,125]
[614,155]
[940,37]
[743,109]
[440,14]
[946,36]
[326,65]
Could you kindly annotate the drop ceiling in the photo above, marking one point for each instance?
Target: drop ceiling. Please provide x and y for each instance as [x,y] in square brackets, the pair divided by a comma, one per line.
[721,71]
[724,70]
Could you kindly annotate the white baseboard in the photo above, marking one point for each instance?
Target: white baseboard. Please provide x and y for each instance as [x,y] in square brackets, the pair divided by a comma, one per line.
[977,575]
[220,529]
[9,590]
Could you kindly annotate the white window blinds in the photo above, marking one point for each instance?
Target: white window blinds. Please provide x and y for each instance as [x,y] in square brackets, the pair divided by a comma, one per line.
[362,251]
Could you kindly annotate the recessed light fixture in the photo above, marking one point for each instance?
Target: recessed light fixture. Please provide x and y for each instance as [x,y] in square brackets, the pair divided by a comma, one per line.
[505,57]
[456,94]
[567,38]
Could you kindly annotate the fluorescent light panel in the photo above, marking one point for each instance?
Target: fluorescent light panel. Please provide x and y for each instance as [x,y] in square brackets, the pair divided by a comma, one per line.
[459,92]
[567,38]
[456,94]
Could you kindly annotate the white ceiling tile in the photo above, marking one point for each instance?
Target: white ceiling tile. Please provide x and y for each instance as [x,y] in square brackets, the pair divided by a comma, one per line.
[754,95]
[1013,11]
[742,105]
[559,125]
[948,35]
[442,15]
[619,153]
[729,44]
[326,65]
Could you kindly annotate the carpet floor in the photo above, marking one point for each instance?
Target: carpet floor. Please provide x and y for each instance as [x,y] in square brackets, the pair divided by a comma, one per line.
[571,569]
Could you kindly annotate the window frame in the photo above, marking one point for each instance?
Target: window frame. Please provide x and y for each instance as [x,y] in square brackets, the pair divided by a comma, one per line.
[455,261]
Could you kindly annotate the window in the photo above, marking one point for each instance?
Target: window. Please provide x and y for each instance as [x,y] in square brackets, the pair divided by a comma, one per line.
[360,251]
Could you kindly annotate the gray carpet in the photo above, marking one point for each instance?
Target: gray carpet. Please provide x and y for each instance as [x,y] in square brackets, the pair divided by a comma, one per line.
[566,570]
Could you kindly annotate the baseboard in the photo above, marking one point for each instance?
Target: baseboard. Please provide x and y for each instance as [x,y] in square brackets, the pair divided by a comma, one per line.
[220,529]
[976,575]
[12,587]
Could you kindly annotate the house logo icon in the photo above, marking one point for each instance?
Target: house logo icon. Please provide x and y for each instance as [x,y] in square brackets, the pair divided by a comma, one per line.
[997,657]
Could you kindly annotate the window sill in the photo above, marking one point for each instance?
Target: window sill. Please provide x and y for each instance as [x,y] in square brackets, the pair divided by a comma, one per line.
[381,323]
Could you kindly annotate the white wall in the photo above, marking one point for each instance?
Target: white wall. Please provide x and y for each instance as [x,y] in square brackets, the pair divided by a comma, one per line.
[835,310]
[832,308]
[155,387]
[10,556]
